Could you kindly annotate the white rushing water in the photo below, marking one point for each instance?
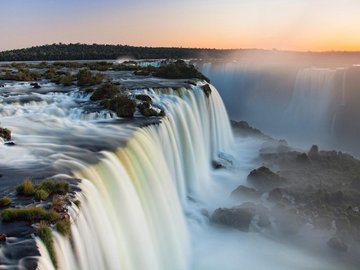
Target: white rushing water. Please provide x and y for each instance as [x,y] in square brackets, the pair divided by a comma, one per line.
[134,200]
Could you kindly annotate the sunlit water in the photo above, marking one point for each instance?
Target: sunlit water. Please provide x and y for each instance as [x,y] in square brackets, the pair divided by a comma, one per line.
[142,202]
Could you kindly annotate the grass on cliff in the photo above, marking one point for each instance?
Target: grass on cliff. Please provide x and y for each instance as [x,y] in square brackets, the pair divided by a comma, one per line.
[42,190]
[45,234]
[5,201]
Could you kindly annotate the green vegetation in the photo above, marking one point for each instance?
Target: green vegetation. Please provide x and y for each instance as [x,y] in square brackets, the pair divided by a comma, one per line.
[77,203]
[42,190]
[30,214]
[122,105]
[87,78]
[146,110]
[179,70]
[5,133]
[143,97]
[64,227]
[21,75]
[66,79]
[5,201]
[44,233]
[26,188]
[106,91]
[100,52]
[41,195]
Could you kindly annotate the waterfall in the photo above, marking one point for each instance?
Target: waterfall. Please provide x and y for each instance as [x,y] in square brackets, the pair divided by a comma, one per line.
[309,110]
[133,202]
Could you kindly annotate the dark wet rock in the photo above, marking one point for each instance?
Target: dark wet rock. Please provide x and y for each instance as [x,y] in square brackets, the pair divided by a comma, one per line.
[263,221]
[336,197]
[243,128]
[10,143]
[314,151]
[276,195]
[35,85]
[146,109]
[337,244]
[355,184]
[245,193]
[2,85]
[217,165]
[264,179]
[2,237]
[207,89]
[238,217]
[302,158]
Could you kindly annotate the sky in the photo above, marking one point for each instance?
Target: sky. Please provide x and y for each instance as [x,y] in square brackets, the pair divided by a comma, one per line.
[301,25]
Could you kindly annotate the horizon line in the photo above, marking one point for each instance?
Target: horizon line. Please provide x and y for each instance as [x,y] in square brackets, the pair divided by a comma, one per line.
[188,48]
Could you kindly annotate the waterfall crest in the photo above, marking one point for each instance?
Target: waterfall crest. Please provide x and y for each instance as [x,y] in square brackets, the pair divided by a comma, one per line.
[133,202]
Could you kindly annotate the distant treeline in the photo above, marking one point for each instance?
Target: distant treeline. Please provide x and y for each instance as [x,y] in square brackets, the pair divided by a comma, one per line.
[58,52]
[103,52]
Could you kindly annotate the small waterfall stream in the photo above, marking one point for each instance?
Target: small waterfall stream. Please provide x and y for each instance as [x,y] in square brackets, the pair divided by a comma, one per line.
[134,201]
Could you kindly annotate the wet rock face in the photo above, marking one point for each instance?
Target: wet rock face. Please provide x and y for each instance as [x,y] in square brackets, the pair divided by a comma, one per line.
[337,244]
[264,179]
[237,217]
[245,193]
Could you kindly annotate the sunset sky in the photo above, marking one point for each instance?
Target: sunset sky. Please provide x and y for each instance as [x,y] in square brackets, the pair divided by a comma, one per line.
[282,24]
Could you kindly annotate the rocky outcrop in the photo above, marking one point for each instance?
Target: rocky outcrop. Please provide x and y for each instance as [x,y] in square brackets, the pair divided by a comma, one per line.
[245,193]
[337,244]
[264,179]
[238,217]
[2,237]
[243,129]
[35,85]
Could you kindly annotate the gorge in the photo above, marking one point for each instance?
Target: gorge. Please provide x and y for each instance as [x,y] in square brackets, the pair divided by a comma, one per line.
[147,186]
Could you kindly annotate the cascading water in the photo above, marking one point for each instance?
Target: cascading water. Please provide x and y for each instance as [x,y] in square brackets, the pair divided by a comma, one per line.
[309,111]
[134,200]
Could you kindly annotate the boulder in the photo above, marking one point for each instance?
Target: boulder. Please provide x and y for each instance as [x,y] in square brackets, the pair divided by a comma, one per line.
[2,237]
[314,150]
[264,179]
[35,85]
[238,217]
[245,193]
[302,158]
[337,244]
[355,184]
[276,195]
[217,165]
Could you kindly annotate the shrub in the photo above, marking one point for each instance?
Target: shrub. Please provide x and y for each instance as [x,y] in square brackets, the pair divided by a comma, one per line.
[53,187]
[179,70]
[5,201]
[30,214]
[143,97]
[146,110]
[122,105]
[64,227]
[26,188]
[5,133]
[106,91]
[41,195]
[87,78]
[44,233]
[66,79]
